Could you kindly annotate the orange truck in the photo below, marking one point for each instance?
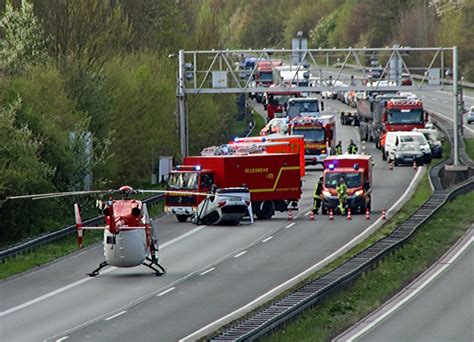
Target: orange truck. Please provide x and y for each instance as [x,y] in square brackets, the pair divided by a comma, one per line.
[357,171]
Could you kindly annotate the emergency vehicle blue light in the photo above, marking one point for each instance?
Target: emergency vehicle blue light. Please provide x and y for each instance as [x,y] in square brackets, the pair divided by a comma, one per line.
[236,139]
[178,167]
[264,139]
[356,166]
[331,166]
[198,168]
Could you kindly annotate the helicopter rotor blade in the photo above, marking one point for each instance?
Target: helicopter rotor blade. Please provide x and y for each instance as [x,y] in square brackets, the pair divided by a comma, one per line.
[180,192]
[55,194]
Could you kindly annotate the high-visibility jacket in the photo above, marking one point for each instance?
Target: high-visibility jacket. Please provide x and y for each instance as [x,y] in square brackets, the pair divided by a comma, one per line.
[318,189]
[338,149]
[341,189]
[352,149]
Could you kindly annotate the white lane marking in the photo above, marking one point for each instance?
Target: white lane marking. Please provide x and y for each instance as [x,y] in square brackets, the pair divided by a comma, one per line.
[290,225]
[412,294]
[62,339]
[267,239]
[48,295]
[445,101]
[434,98]
[116,315]
[206,272]
[179,238]
[293,281]
[240,254]
[165,292]
[84,280]
[309,212]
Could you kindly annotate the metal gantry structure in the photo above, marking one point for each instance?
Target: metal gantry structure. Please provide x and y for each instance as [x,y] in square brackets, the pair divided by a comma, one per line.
[316,70]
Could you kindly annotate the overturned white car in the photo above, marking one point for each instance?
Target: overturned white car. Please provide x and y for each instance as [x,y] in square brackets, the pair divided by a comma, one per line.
[226,206]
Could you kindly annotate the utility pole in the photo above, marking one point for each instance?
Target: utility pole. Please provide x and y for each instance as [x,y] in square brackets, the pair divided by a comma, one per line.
[456,106]
[183,117]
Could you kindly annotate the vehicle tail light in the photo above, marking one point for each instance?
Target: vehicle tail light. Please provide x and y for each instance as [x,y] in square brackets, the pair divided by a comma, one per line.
[359,192]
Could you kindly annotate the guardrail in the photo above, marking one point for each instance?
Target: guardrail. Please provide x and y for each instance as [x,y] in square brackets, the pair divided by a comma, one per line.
[28,245]
[447,128]
[265,320]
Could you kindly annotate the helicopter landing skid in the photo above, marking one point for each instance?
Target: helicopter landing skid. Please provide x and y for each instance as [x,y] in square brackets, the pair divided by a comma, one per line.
[97,270]
[159,271]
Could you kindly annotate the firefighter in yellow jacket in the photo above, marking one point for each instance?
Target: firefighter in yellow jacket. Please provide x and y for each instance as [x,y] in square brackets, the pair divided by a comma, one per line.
[341,189]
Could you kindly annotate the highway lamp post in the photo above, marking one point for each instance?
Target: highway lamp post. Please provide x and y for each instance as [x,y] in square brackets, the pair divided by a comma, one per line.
[455,106]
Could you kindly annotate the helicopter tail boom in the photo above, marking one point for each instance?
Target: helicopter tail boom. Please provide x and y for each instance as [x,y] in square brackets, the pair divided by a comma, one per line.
[77,214]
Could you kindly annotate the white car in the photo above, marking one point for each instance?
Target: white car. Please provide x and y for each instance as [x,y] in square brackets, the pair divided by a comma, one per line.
[227,205]
[393,139]
[470,116]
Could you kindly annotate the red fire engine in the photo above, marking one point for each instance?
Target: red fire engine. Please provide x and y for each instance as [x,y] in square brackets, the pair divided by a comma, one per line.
[294,144]
[264,76]
[357,171]
[276,102]
[273,180]
[319,136]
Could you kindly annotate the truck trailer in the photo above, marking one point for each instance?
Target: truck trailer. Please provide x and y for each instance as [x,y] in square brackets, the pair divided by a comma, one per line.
[388,112]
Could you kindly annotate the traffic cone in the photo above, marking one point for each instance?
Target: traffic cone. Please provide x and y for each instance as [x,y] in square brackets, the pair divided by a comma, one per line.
[311,215]
[349,216]
[414,164]
[384,214]
[367,214]
[331,215]
[290,215]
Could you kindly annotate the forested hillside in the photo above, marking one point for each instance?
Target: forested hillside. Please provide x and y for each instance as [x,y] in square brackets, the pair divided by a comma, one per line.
[103,66]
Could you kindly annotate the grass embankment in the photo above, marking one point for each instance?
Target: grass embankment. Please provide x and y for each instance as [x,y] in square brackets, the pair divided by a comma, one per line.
[469,144]
[259,123]
[344,309]
[46,253]
[238,128]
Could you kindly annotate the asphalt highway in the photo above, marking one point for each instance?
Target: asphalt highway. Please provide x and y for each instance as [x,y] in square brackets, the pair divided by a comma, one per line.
[439,101]
[211,272]
[443,311]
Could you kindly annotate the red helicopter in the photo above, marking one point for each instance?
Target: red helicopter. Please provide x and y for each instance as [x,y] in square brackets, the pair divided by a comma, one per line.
[130,237]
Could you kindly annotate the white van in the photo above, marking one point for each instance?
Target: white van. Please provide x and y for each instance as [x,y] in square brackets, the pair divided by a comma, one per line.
[393,139]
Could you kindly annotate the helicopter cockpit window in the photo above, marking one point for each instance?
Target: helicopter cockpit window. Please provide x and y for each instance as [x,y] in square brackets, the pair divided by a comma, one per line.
[183,181]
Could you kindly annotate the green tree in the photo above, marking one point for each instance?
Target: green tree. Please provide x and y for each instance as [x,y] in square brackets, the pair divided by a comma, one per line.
[51,116]
[319,36]
[22,171]
[141,90]
[87,31]
[19,155]
[23,41]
